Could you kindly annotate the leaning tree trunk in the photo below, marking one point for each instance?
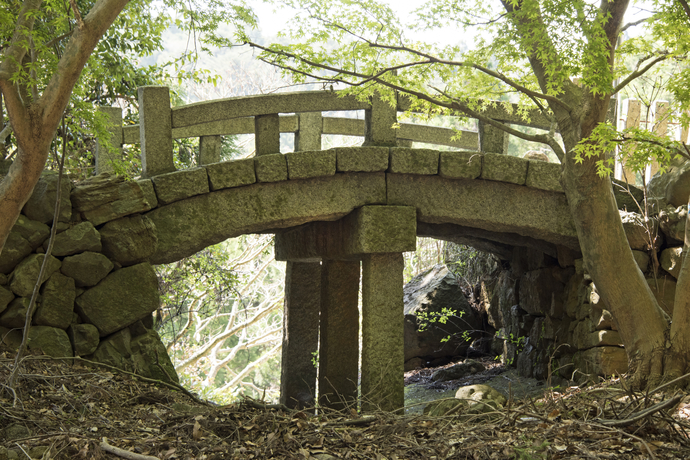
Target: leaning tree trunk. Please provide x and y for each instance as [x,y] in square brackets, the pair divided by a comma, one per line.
[608,257]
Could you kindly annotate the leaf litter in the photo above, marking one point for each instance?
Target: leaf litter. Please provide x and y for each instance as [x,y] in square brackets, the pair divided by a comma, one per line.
[63,410]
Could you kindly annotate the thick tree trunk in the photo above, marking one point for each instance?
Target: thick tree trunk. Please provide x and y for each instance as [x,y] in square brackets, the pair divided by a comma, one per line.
[609,260]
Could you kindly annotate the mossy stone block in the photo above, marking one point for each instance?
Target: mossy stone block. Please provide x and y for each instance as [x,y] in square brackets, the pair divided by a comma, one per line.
[414,161]
[305,165]
[271,168]
[361,159]
[460,165]
[504,168]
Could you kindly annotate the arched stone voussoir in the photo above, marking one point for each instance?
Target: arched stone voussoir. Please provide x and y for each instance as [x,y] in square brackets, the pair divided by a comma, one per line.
[185,227]
[498,207]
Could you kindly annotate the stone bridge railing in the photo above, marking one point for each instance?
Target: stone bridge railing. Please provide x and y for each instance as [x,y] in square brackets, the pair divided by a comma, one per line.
[300,113]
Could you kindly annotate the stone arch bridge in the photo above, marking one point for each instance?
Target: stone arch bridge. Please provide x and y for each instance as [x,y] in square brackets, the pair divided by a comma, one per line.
[339,215]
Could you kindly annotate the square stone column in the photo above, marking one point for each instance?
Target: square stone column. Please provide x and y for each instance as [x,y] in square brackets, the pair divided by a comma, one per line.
[492,139]
[104,155]
[155,130]
[308,137]
[300,334]
[209,150]
[383,343]
[339,340]
[379,121]
[267,134]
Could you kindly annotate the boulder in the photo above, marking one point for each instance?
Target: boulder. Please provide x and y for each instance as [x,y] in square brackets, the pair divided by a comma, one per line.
[84,338]
[673,185]
[57,302]
[33,231]
[11,337]
[541,293]
[6,297]
[82,237]
[16,249]
[87,268]
[641,235]
[115,350]
[15,313]
[481,398]
[151,358]
[671,260]
[129,240]
[122,298]
[52,341]
[41,205]
[642,260]
[503,298]
[426,299]
[25,275]
[107,197]
[627,196]
[458,371]
[672,223]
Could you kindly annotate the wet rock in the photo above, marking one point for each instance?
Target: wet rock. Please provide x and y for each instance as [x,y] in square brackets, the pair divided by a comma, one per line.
[458,371]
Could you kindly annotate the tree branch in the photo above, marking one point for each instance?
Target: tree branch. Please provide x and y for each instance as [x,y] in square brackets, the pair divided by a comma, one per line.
[633,24]
[685,6]
[77,14]
[639,72]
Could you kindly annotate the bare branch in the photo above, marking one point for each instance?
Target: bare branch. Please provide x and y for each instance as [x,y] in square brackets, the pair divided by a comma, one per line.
[639,72]
[77,14]
[59,38]
[633,24]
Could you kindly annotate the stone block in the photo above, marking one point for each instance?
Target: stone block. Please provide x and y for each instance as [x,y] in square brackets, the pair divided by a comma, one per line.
[179,185]
[146,186]
[642,260]
[16,249]
[380,119]
[672,223]
[539,290]
[25,275]
[305,165]
[11,337]
[33,231]
[84,338]
[52,341]
[460,165]
[129,240]
[605,321]
[504,168]
[14,315]
[230,174]
[150,358]
[414,161]
[155,130]
[601,361]
[209,150]
[115,350]
[57,302]
[380,229]
[41,205]
[544,176]
[671,260]
[6,296]
[271,168]
[600,339]
[267,134]
[87,268]
[361,159]
[80,238]
[105,197]
[641,233]
[122,298]
[308,136]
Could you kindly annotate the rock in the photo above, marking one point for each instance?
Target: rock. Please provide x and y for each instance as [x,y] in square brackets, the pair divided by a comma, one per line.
[598,339]
[115,350]
[3,279]
[16,249]
[107,197]
[458,371]
[122,298]
[11,337]
[15,313]
[151,358]
[504,297]
[84,338]
[671,260]
[605,321]
[16,431]
[82,237]
[25,275]
[178,185]
[504,168]
[481,398]
[639,232]
[536,155]
[627,200]
[87,268]
[41,205]
[601,361]
[414,363]
[129,240]
[664,289]
[6,297]
[541,293]
[672,223]
[427,296]
[674,185]
[33,231]
[57,303]
[52,341]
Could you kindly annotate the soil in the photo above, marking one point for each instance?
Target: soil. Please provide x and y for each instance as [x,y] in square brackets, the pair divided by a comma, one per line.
[73,410]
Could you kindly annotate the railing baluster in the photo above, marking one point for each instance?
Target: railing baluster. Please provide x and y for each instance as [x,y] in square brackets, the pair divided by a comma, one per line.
[267,134]
[155,127]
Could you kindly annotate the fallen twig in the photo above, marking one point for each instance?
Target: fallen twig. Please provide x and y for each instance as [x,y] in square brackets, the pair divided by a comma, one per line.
[124,453]
[641,414]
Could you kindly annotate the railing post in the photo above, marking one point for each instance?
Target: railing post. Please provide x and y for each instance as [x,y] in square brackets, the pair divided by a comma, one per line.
[267,134]
[379,123]
[308,135]
[209,150]
[632,120]
[660,129]
[105,156]
[492,139]
[155,127]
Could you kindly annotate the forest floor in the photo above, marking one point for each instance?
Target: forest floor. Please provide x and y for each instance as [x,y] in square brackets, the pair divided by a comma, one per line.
[62,410]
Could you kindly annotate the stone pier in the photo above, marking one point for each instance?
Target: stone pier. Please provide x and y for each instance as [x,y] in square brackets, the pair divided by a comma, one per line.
[376,237]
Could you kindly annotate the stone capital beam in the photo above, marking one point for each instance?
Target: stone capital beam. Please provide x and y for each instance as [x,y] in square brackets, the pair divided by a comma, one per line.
[367,230]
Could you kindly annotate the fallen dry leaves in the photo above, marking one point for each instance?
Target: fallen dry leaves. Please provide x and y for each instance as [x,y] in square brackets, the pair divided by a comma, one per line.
[71,411]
